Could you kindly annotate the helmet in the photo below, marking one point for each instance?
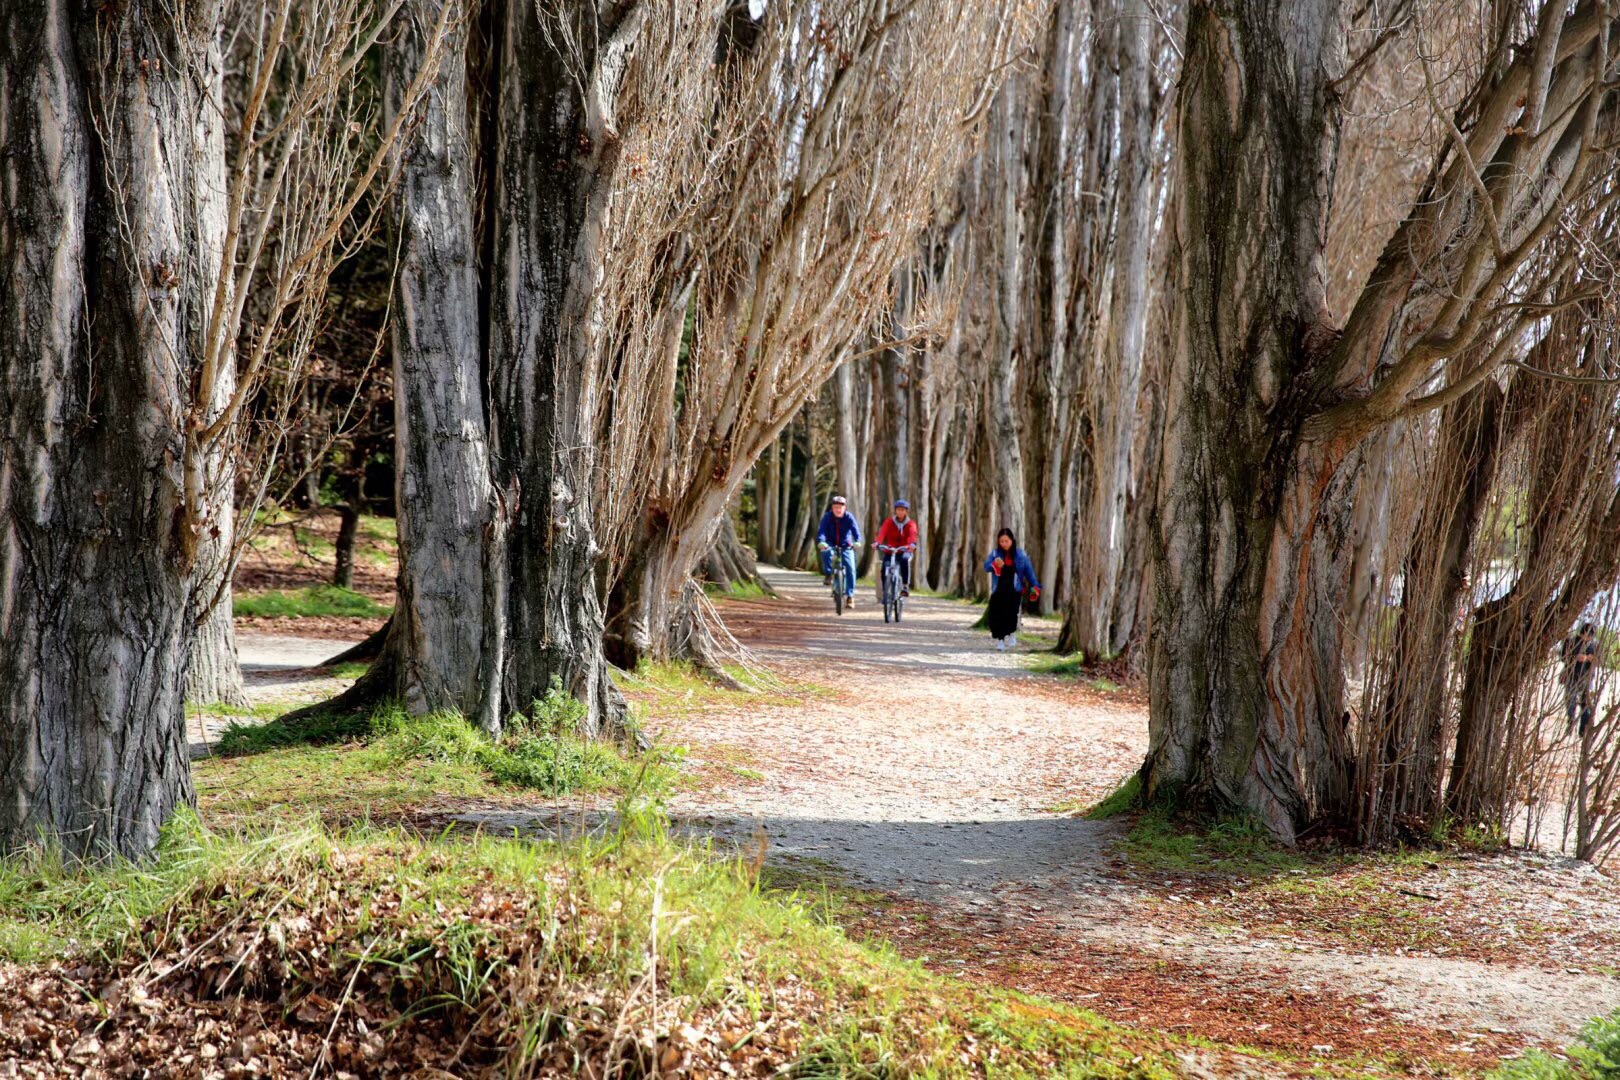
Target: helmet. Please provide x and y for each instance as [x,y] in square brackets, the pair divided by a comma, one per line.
[901,504]
[839,499]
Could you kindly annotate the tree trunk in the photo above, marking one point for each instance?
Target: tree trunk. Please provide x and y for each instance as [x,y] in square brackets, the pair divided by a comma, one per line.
[1011,189]
[1102,523]
[498,596]
[809,504]
[108,212]
[784,489]
[847,418]
[765,503]
[1246,687]
[348,529]
[795,552]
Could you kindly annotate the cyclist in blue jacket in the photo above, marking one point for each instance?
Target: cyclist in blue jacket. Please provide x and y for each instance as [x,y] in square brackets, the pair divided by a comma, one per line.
[839,530]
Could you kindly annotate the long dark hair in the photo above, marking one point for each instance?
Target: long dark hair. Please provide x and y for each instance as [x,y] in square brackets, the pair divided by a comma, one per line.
[1008,533]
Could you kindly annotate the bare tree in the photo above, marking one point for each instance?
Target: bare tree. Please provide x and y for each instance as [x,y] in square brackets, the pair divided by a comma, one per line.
[131,267]
[835,132]
[1269,396]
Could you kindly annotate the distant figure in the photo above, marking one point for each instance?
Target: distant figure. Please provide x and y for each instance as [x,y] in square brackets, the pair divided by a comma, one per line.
[837,537]
[898,537]
[1580,661]
[1011,574]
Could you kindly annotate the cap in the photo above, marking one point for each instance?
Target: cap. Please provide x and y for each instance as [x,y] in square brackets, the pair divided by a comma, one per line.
[901,504]
[839,499]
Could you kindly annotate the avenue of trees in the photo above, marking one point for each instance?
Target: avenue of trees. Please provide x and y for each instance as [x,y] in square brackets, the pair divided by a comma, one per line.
[1283,335]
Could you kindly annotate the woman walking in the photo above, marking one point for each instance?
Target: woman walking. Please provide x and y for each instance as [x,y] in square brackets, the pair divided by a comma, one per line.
[1011,574]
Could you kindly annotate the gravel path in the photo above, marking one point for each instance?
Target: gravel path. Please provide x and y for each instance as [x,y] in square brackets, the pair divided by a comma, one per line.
[930,767]
[933,773]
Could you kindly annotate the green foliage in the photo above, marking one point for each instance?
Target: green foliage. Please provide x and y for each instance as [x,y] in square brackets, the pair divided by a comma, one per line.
[1162,841]
[676,686]
[737,590]
[301,728]
[1070,666]
[1596,1056]
[542,750]
[1124,799]
[311,601]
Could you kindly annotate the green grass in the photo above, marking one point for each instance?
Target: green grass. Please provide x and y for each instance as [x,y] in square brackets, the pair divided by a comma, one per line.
[536,944]
[373,527]
[313,600]
[1239,846]
[1596,1056]
[349,765]
[1164,841]
[1070,666]
[1123,799]
[677,686]
[737,590]
[264,711]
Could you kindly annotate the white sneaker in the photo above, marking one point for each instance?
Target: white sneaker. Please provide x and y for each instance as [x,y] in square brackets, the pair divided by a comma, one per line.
[1012,641]
[1001,644]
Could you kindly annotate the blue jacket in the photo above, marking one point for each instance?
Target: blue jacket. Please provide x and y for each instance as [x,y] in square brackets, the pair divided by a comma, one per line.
[838,531]
[1023,570]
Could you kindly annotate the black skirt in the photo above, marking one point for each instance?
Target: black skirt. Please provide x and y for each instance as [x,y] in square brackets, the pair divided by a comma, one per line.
[1004,605]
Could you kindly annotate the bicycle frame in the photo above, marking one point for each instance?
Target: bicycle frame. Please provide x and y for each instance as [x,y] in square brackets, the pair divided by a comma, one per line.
[842,583]
[890,586]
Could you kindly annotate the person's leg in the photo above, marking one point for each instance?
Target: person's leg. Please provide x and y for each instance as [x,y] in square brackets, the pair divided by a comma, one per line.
[826,563]
[905,572]
[849,564]
[1572,698]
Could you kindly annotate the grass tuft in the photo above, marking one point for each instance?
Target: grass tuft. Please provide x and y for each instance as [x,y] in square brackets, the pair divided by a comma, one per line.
[1123,799]
[1595,1056]
[1071,666]
[310,601]
[354,765]
[737,590]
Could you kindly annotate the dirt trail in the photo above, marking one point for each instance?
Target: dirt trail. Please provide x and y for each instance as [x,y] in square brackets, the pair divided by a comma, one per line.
[934,773]
[936,770]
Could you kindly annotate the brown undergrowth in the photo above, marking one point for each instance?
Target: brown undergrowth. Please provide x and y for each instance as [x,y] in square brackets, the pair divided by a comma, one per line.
[1306,1030]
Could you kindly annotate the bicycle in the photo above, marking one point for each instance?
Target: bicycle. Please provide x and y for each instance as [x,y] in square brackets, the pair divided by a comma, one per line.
[891,590]
[842,582]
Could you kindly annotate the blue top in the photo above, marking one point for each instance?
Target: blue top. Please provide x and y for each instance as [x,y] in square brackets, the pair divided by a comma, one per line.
[838,531]
[1023,570]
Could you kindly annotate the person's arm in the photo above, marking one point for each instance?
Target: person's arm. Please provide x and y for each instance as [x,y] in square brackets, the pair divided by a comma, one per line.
[854,528]
[1026,570]
[910,537]
[990,563]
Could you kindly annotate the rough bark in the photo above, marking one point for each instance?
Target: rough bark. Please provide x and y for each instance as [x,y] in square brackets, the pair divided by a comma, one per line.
[498,582]
[102,290]
[1010,184]
[796,552]
[1244,669]
[348,532]
[444,628]
[1102,524]
[766,502]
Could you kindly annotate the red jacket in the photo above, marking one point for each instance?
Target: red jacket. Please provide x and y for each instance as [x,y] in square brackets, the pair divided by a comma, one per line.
[893,534]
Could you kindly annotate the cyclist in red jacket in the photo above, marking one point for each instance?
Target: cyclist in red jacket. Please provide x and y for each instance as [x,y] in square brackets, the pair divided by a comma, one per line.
[899,535]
